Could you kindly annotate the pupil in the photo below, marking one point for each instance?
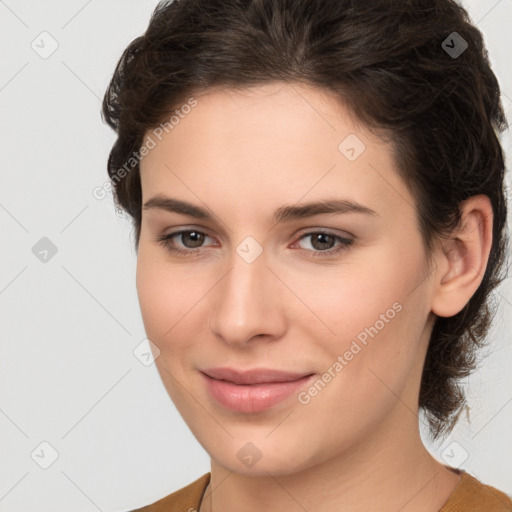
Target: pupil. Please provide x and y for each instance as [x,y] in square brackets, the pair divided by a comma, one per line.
[318,238]
[198,236]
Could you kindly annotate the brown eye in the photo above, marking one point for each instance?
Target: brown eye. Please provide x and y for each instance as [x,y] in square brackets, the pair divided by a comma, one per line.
[196,238]
[190,241]
[323,243]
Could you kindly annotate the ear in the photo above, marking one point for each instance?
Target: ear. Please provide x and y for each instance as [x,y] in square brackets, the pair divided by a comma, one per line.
[461,261]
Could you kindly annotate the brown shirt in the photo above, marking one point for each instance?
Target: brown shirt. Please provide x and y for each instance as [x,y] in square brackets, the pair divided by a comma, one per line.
[470,495]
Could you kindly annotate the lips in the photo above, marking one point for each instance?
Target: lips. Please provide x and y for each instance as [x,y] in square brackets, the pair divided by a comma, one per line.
[255,376]
[252,390]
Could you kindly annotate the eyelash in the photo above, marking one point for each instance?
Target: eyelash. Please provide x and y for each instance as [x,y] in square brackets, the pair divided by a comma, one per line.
[165,240]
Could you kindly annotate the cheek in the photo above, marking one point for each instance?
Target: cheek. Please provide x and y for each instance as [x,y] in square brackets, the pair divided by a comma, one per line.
[356,300]
[166,302]
[152,296]
[374,320]
[170,301]
[161,296]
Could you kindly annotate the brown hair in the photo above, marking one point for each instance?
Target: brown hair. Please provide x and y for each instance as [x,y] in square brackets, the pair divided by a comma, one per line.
[394,64]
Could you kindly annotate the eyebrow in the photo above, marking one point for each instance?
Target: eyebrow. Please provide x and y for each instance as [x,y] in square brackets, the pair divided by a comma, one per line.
[282,214]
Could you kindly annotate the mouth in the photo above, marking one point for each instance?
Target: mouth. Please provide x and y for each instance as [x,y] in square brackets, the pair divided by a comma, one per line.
[254,390]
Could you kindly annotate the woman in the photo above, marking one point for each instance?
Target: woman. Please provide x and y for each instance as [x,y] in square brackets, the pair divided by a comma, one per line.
[317,193]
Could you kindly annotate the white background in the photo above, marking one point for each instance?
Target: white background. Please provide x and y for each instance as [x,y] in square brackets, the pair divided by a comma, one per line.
[69,326]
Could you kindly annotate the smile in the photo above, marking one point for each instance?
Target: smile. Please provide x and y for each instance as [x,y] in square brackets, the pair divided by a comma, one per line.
[254,390]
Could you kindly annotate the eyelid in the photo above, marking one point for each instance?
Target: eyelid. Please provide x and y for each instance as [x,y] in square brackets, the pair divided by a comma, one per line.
[327,231]
[174,230]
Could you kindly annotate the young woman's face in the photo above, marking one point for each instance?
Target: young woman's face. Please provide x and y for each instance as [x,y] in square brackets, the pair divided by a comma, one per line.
[340,301]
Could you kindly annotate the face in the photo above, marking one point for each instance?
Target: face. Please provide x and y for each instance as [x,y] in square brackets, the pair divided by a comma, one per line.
[336,298]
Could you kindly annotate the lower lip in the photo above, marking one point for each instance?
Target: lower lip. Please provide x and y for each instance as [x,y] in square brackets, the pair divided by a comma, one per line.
[252,397]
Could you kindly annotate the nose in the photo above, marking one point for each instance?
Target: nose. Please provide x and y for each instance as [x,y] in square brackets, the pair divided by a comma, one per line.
[248,303]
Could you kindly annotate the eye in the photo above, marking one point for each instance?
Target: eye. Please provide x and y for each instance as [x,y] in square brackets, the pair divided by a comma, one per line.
[322,243]
[192,240]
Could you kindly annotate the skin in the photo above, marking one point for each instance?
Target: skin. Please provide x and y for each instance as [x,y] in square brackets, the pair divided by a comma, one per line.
[356,445]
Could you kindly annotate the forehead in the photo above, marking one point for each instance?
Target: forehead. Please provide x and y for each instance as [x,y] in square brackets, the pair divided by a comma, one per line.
[277,143]
[277,108]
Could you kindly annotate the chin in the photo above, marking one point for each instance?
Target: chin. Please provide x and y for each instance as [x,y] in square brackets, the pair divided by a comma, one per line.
[257,456]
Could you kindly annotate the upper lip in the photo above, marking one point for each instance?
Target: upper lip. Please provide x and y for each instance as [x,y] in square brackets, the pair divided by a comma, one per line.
[253,376]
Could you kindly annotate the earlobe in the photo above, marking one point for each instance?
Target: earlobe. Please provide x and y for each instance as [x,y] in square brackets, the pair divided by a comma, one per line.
[462,260]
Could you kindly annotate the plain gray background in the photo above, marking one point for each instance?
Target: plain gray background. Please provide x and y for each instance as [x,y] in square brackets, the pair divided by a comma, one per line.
[70,319]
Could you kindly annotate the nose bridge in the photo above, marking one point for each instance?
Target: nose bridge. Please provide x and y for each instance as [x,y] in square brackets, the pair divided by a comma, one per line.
[245,304]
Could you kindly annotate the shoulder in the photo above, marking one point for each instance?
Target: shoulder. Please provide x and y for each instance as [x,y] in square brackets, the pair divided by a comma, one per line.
[186,499]
[471,495]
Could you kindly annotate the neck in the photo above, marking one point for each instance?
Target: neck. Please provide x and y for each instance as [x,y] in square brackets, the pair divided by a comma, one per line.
[386,474]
